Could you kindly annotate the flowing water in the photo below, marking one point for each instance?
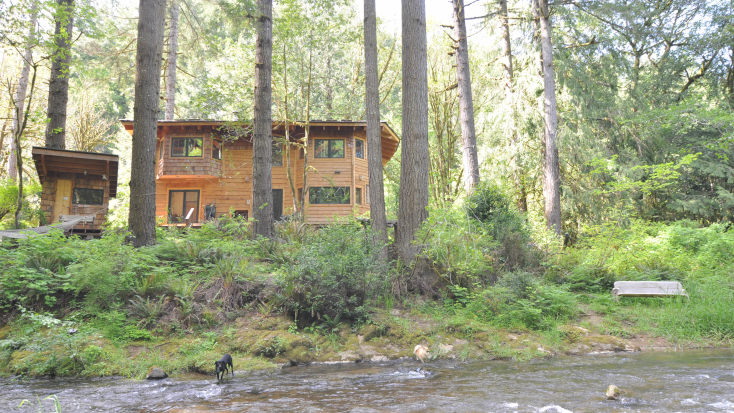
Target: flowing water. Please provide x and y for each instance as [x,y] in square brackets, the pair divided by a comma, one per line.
[689,381]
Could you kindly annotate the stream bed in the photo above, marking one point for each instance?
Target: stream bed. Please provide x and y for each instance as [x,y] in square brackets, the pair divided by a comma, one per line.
[682,381]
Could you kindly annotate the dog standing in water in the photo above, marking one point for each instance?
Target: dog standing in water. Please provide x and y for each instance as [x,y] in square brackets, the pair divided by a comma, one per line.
[224,365]
[421,352]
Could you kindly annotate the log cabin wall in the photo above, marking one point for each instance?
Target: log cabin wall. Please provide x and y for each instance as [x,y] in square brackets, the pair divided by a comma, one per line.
[227,183]
[48,198]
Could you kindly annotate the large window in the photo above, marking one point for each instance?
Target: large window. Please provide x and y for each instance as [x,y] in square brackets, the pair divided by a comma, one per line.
[359,148]
[216,149]
[86,196]
[180,204]
[183,147]
[328,195]
[329,148]
[277,154]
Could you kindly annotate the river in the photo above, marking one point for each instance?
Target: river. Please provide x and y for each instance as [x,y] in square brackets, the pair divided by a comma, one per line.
[683,381]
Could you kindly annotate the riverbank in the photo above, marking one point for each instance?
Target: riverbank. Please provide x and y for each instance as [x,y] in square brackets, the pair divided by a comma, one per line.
[95,308]
[262,342]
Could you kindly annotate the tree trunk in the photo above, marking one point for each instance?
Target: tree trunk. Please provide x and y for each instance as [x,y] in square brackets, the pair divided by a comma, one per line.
[20,93]
[466,103]
[520,195]
[551,169]
[171,71]
[374,140]
[262,141]
[16,137]
[58,85]
[413,193]
[147,91]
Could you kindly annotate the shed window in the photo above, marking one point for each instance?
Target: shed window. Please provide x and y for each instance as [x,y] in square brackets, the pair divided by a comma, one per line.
[328,195]
[329,148]
[85,196]
[183,147]
[216,149]
[359,148]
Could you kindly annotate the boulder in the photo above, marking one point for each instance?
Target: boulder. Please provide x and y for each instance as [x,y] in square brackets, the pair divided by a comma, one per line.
[156,373]
[613,392]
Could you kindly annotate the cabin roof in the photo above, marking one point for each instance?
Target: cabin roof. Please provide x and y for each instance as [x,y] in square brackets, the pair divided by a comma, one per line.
[60,160]
[390,139]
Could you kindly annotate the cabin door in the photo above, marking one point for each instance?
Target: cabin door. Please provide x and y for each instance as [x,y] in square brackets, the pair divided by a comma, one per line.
[63,198]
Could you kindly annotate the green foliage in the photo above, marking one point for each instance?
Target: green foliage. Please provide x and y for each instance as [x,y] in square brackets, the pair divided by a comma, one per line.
[495,210]
[334,273]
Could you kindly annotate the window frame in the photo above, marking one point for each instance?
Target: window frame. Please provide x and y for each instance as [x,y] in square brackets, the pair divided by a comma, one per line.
[186,147]
[273,155]
[329,149]
[183,218]
[311,195]
[73,196]
[220,148]
[364,146]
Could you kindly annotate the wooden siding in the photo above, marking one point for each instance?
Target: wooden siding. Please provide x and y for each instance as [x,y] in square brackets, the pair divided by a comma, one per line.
[48,197]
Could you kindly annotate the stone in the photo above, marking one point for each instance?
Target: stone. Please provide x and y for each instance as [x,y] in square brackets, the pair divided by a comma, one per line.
[156,373]
[613,392]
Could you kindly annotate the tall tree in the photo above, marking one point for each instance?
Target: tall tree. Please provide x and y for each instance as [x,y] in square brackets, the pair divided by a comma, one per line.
[147,86]
[20,93]
[551,168]
[413,193]
[511,127]
[262,141]
[58,85]
[374,140]
[466,104]
[171,70]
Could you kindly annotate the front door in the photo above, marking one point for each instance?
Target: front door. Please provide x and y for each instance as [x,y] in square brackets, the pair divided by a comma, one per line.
[277,204]
[63,198]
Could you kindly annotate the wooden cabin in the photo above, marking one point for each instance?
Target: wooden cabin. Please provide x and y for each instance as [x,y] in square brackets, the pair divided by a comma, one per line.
[204,169]
[76,184]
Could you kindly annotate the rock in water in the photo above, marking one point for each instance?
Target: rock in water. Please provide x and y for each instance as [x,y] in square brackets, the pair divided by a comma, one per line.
[156,373]
[613,392]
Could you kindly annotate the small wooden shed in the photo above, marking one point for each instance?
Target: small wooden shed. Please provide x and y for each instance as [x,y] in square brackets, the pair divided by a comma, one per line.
[76,184]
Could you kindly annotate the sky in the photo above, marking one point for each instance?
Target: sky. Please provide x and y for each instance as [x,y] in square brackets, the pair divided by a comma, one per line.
[437,12]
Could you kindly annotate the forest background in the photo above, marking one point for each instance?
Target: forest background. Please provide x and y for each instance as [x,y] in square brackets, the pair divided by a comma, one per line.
[644,89]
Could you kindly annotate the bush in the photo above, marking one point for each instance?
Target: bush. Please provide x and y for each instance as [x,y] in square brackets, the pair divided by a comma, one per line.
[493,208]
[335,273]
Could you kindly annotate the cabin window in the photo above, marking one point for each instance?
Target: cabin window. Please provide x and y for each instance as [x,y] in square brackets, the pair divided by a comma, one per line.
[160,156]
[184,147]
[180,203]
[241,213]
[277,154]
[329,148]
[277,204]
[216,149]
[367,194]
[328,195]
[358,196]
[85,196]
[359,148]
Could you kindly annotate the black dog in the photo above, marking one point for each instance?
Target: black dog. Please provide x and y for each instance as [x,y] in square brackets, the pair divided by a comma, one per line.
[222,364]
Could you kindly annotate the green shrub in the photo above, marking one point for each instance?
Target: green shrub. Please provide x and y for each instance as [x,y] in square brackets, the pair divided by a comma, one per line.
[493,208]
[335,273]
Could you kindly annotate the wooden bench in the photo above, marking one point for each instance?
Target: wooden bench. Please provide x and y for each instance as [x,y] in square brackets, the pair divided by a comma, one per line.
[85,219]
[647,289]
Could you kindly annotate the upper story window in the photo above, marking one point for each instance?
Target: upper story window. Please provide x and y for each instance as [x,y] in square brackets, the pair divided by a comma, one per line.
[216,149]
[183,147]
[277,154]
[359,148]
[160,156]
[329,148]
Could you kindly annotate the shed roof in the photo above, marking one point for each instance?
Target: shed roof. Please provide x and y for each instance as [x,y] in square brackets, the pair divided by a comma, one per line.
[60,160]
